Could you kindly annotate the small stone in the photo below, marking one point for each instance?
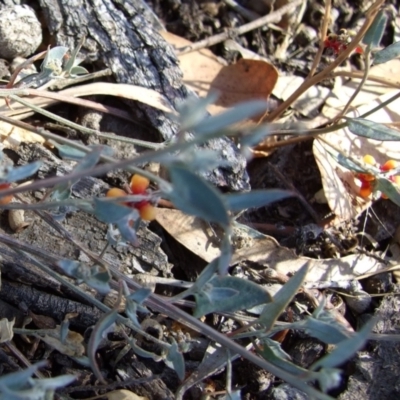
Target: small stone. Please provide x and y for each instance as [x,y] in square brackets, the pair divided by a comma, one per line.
[20,32]
[287,392]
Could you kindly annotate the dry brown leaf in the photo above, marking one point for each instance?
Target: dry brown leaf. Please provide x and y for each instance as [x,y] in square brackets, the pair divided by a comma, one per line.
[340,186]
[195,236]
[245,80]
[12,136]
[199,67]
[72,346]
[123,394]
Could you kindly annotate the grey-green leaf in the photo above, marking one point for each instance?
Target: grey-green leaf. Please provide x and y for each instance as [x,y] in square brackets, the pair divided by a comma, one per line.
[176,361]
[236,114]
[100,328]
[345,349]
[18,173]
[273,353]
[248,294]
[372,130]
[110,212]
[194,195]
[281,300]
[375,32]
[389,188]
[327,332]
[255,198]
[387,54]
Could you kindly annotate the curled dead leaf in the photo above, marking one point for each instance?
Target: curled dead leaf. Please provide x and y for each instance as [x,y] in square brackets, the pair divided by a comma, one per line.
[196,236]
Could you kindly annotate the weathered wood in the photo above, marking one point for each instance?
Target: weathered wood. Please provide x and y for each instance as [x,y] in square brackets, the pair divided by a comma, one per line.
[119,36]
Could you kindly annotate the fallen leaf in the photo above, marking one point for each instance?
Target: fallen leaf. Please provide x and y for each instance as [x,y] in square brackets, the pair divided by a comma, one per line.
[199,67]
[72,346]
[12,136]
[197,237]
[123,394]
[309,102]
[6,330]
[242,81]
[339,185]
[371,90]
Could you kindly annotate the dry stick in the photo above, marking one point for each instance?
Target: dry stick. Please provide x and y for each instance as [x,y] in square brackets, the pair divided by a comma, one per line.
[316,132]
[358,89]
[272,17]
[325,73]
[25,64]
[250,15]
[373,78]
[324,30]
[23,359]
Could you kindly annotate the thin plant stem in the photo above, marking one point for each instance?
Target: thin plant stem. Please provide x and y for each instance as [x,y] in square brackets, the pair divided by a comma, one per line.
[323,32]
[370,16]
[367,57]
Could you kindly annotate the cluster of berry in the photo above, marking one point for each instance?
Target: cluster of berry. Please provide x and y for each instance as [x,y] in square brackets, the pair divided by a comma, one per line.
[337,43]
[138,185]
[368,180]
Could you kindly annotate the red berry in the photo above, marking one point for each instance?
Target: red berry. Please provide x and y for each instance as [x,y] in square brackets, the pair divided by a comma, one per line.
[5,199]
[115,192]
[139,184]
[147,212]
[365,190]
[390,164]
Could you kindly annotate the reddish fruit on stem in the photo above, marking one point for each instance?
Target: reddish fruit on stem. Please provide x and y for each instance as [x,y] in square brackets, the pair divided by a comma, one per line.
[5,199]
[390,164]
[365,177]
[139,184]
[147,212]
[115,192]
[365,190]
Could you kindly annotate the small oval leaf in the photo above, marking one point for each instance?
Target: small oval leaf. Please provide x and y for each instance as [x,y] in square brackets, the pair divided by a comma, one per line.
[110,212]
[194,195]
[372,130]
[19,173]
[236,114]
[176,361]
[387,54]
[255,198]
[249,294]
[375,32]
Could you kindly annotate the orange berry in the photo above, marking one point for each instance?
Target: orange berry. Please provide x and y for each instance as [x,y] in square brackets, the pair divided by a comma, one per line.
[115,192]
[365,190]
[147,212]
[139,184]
[384,196]
[368,159]
[366,177]
[390,164]
[5,199]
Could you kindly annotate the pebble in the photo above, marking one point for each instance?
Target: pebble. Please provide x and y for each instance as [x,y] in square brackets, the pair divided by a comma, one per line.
[20,32]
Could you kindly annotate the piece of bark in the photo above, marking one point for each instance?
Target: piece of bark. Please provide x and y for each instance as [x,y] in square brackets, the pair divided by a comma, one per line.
[119,36]
[50,305]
